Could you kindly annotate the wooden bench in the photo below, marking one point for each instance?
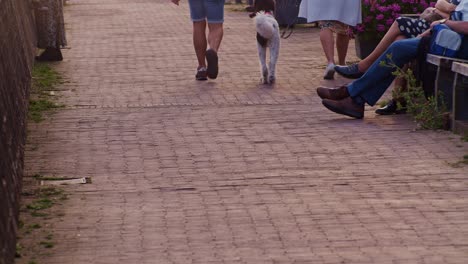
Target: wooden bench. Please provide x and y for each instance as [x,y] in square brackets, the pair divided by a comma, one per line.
[451,80]
[460,98]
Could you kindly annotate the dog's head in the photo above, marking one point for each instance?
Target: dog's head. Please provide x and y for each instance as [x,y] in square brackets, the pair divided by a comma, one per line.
[263,5]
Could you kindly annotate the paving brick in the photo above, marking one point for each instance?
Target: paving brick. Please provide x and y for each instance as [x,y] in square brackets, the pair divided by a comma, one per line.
[230,171]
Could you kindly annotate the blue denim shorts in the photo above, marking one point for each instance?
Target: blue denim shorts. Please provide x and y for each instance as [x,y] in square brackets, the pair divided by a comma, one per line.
[210,10]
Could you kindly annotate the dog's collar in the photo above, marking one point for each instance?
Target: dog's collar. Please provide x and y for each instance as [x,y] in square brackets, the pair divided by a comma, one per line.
[269,13]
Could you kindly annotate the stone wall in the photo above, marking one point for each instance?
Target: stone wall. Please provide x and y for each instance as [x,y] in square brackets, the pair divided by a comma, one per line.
[16,58]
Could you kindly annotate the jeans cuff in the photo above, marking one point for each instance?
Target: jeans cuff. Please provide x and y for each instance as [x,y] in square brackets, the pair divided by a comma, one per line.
[359,100]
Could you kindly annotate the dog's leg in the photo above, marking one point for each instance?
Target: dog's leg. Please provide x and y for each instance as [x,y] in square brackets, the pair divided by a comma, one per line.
[263,66]
[274,53]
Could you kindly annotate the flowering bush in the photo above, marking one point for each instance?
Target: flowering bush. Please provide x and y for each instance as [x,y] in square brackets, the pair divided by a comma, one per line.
[378,15]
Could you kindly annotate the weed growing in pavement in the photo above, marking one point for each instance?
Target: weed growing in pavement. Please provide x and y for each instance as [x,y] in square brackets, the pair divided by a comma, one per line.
[44,78]
[38,214]
[44,81]
[47,197]
[41,199]
[19,249]
[40,204]
[51,191]
[429,113]
[38,107]
[44,178]
[47,244]
[32,227]
[460,163]
[383,103]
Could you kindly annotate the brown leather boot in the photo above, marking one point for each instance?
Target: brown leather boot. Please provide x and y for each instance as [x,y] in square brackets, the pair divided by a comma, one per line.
[333,93]
[345,107]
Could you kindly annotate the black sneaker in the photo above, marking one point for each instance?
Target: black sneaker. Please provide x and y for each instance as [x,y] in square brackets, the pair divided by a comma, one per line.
[391,109]
[201,74]
[212,61]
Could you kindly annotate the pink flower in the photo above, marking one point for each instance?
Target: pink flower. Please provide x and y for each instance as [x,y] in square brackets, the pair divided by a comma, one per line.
[396,7]
[380,28]
[360,28]
[382,9]
[378,15]
[368,19]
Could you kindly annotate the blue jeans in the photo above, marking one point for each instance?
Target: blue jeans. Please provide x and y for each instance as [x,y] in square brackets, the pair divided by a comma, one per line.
[209,10]
[373,84]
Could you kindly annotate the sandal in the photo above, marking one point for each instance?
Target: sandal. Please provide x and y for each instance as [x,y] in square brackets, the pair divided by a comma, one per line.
[212,60]
[201,74]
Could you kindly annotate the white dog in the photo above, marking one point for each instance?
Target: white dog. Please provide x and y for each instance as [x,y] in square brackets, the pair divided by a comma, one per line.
[268,36]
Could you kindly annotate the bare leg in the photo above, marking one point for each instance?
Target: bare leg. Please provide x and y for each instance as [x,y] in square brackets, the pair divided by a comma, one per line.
[199,41]
[342,42]
[215,35]
[392,34]
[328,43]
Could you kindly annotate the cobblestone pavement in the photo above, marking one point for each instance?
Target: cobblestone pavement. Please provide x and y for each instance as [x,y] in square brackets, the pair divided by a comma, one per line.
[230,171]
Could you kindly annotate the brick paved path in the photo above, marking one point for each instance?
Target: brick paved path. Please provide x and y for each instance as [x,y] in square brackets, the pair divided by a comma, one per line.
[229,171]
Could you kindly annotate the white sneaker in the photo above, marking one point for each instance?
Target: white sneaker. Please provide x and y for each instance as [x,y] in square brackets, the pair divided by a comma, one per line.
[329,71]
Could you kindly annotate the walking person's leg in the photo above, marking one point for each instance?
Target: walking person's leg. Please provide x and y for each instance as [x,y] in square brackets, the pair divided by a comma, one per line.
[215,35]
[328,46]
[342,43]
[198,16]
[199,41]
[215,18]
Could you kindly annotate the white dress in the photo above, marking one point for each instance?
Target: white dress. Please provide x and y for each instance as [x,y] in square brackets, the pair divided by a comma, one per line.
[345,11]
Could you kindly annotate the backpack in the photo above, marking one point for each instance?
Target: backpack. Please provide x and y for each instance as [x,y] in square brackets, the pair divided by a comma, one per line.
[445,42]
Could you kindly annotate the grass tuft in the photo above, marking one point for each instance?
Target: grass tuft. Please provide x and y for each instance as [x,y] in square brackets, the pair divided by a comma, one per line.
[44,78]
[38,107]
[47,244]
[40,204]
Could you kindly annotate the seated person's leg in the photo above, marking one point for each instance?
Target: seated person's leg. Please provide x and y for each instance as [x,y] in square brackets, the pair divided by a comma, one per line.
[378,78]
[372,85]
[357,70]
[399,86]
[402,28]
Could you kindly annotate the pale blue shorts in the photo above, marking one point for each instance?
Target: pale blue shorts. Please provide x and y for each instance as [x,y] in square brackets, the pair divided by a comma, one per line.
[209,10]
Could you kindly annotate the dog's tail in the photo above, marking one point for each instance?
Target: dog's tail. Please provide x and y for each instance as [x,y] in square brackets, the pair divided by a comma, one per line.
[265,25]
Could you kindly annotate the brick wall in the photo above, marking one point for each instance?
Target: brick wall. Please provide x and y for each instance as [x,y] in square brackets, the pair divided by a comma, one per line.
[16,57]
